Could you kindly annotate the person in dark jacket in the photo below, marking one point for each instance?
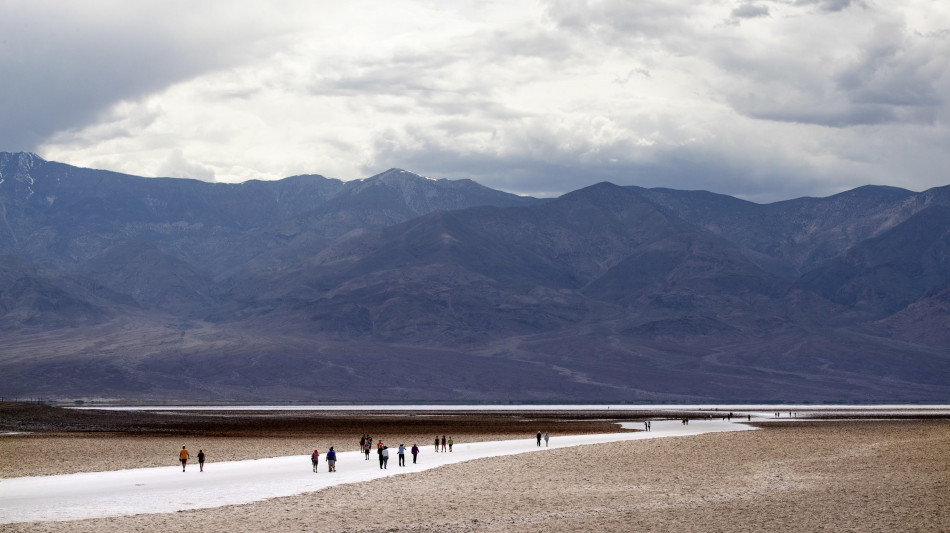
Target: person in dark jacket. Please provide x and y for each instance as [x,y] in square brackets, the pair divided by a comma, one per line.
[415,453]
[331,459]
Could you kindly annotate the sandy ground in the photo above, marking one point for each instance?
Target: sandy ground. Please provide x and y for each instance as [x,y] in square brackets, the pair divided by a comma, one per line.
[825,476]
[60,441]
[68,454]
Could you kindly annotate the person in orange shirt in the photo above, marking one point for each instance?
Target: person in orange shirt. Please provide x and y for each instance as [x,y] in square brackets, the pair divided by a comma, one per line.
[183,457]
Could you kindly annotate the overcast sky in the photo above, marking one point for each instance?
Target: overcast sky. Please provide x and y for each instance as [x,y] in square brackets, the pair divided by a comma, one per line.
[765,100]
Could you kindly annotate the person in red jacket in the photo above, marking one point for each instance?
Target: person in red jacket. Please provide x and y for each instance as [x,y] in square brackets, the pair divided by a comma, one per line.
[314,457]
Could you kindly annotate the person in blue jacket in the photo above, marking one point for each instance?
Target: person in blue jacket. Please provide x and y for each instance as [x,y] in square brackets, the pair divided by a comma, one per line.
[331,459]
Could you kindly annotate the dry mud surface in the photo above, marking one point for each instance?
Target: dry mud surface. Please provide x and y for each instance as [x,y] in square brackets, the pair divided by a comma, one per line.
[793,476]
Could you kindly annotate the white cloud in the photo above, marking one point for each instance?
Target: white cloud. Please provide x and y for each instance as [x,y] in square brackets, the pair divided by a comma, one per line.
[532,97]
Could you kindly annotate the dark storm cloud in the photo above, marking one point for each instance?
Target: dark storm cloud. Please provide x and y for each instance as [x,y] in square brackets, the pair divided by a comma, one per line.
[748,11]
[826,5]
[621,23]
[890,75]
[65,63]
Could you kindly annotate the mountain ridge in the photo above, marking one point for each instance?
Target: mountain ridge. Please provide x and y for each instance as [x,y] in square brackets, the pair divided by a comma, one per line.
[400,288]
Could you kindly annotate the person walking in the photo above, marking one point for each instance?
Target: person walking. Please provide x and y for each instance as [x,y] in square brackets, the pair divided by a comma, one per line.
[314,457]
[443,443]
[450,443]
[436,444]
[539,438]
[201,460]
[362,442]
[366,448]
[401,452]
[546,439]
[331,460]
[379,455]
[183,457]
[415,453]
[384,457]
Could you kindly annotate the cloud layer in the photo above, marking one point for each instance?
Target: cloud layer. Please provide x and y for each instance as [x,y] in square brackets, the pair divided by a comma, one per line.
[765,100]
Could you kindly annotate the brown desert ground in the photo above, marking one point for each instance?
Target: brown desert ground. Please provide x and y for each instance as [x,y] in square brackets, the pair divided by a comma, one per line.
[868,475]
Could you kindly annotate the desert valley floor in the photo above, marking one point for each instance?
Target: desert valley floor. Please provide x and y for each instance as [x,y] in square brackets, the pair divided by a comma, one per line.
[790,475]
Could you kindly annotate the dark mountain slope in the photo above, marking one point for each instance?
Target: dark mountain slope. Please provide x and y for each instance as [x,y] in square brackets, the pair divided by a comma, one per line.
[884,274]
[62,215]
[153,278]
[35,297]
[926,321]
[489,271]
[383,200]
[801,232]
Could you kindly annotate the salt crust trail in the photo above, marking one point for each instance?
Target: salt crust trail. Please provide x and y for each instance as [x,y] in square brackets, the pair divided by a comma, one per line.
[167,489]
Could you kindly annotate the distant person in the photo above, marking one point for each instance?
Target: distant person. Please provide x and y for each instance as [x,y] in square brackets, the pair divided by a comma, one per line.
[201,460]
[437,444]
[331,460]
[362,442]
[367,447]
[183,457]
[539,438]
[451,441]
[384,457]
[415,453]
[443,443]
[314,458]
[401,452]
[546,439]
[379,455]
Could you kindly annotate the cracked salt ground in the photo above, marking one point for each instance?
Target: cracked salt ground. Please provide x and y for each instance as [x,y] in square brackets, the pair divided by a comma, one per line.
[168,489]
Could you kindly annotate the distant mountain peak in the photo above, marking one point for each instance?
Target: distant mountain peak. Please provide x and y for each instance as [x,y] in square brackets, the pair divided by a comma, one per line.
[18,162]
[397,175]
[21,156]
[15,171]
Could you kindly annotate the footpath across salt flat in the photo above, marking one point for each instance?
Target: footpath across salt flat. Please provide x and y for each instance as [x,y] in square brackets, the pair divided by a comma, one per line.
[168,489]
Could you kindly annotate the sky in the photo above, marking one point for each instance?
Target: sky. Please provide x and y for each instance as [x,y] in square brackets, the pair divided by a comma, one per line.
[765,100]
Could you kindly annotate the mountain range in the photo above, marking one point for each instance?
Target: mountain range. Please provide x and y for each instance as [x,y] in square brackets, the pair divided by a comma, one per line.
[404,288]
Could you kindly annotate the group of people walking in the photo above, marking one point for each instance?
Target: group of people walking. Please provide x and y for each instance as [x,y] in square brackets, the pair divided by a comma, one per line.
[366,444]
[330,457]
[443,442]
[183,456]
[546,437]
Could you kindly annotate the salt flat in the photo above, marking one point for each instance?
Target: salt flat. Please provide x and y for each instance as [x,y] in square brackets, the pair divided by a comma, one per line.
[168,489]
